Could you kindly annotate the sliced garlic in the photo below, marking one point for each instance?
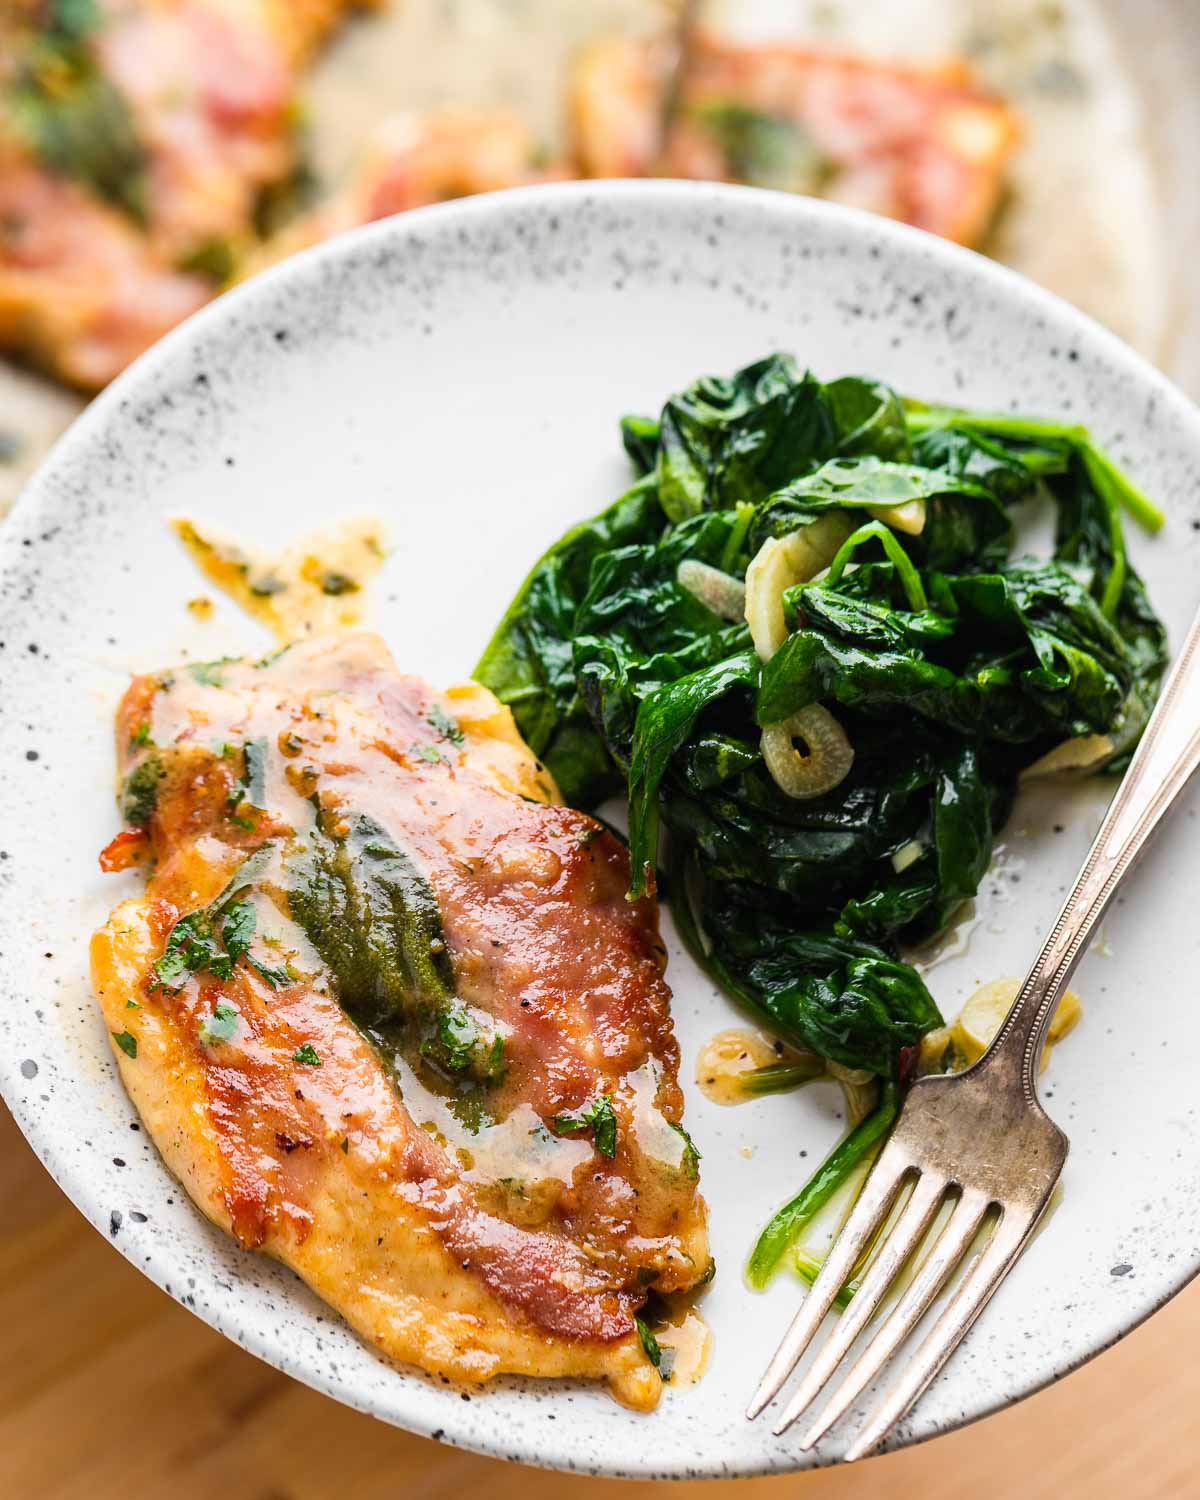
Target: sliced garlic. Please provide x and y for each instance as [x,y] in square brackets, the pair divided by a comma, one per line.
[1083,753]
[724,594]
[908,517]
[829,757]
[906,855]
[985,1012]
[781,562]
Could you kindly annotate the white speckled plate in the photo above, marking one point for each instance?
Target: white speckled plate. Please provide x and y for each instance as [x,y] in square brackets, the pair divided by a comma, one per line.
[461,371]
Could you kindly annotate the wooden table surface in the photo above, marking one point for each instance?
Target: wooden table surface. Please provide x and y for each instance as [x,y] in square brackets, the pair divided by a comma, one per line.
[111,1391]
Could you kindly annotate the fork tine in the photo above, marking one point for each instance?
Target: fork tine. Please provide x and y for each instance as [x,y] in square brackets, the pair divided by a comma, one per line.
[945,1254]
[968,1300]
[910,1226]
[873,1202]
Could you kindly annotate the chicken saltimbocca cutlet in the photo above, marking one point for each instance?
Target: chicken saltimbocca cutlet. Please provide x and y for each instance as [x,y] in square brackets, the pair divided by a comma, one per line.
[387,1013]
[143,145]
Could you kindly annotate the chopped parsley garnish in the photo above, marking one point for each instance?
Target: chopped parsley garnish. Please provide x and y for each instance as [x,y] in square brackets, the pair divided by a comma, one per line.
[141,735]
[307,1054]
[599,1117]
[448,728]
[427,753]
[213,938]
[334,583]
[272,657]
[457,1036]
[132,1005]
[690,1161]
[208,673]
[191,947]
[222,1025]
[256,772]
[650,1344]
[275,976]
[141,790]
[126,1041]
[457,1044]
[252,788]
[267,586]
[238,928]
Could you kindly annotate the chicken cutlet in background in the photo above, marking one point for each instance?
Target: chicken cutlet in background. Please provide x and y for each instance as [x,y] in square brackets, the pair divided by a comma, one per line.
[150,150]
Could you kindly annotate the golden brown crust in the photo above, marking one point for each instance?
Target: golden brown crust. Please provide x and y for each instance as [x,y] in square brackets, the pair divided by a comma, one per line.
[209,85]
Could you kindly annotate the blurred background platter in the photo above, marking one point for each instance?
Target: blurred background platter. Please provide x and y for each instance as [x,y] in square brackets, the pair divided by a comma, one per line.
[1102,196]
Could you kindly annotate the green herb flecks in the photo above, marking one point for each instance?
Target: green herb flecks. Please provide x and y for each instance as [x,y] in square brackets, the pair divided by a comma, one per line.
[447,727]
[252,788]
[650,1345]
[308,1055]
[335,584]
[140,795]
[213,938]
[222,1025]
[275,975]
[597,1117]
[126,1041]
[208,673]
[691,1159]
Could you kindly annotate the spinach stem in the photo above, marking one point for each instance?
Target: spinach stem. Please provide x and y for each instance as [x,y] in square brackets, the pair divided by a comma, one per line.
[1104,474]
[1113,484]
[744,513]
[781,1078]
[881,532]
[785,1225]
[921,419]
[1101,474]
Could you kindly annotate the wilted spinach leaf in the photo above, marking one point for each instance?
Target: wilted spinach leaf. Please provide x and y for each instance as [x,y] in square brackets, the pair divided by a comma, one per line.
[529,662]
[724,440]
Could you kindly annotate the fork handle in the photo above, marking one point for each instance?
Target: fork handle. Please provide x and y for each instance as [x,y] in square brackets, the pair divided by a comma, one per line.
[1165,759]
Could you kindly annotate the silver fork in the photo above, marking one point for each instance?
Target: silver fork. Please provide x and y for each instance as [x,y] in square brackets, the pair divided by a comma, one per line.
[979,1138]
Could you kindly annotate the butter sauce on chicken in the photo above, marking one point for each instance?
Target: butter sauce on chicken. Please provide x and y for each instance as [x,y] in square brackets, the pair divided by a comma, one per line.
[388,1015]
